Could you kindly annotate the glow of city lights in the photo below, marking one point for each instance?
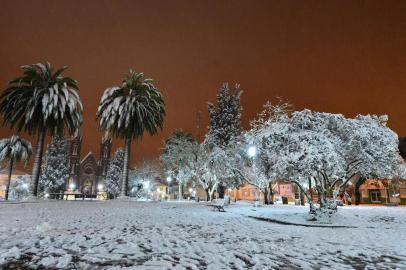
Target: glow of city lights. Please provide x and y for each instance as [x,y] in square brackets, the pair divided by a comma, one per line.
[168,179]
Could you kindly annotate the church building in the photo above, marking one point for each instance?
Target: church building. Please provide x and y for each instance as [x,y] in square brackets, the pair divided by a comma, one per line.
[88,173]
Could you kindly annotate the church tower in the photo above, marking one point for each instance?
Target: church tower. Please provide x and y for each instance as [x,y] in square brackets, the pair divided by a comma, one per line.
[105,153]
[74,147]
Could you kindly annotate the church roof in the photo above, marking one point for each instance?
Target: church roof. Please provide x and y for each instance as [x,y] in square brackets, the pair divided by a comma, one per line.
[88,156]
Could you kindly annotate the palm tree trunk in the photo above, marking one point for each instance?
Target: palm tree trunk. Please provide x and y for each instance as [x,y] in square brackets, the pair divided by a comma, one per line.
[127,153]
[10,169]
[36,169]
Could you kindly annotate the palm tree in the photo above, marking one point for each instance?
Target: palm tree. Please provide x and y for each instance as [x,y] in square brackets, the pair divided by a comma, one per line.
[128,110]
[39,102]
[14,149]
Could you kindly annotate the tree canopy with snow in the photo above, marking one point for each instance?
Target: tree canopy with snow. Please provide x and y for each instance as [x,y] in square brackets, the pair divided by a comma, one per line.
[55,170]
[213,166]
[112,182]
[224,132]
[142,177]
[177,157]
[256,169]
[328,149]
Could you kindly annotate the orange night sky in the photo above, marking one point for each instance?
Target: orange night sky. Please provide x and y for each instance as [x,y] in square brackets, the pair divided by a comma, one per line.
[333,56]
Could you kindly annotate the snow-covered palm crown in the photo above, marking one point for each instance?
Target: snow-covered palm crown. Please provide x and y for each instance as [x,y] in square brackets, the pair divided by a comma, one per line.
[128,110]
[42,99]
[15,148]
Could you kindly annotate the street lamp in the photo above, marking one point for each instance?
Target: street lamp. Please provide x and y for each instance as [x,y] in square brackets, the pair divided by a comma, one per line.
[72,186]
[169,180]
[100,187]
[252,151]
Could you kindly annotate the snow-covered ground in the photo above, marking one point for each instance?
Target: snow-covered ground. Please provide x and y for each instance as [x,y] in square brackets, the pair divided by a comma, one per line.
[151,235]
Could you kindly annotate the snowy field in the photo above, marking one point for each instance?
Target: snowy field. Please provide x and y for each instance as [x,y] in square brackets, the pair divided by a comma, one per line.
[152,235]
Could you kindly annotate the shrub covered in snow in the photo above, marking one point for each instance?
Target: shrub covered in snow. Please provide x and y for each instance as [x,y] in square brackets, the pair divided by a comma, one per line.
[55,170]
[20,187]
[142,178]
[114,174]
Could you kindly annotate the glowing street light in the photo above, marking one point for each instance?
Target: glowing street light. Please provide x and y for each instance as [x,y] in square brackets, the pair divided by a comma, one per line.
[252,151]
[169,180]
[25,186]
[100,187]
[72,186]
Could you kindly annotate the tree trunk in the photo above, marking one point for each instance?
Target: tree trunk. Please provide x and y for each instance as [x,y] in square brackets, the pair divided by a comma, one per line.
[207,194]
[266,195]
[357,193]
[310,190]
[302,198]
[124,182]
[211,194]
[221,190]
[270,193]
[36,168]
[10,169]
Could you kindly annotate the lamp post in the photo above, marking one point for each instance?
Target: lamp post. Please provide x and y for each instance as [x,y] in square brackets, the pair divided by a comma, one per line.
[168,180]
[72,186]
[252,152]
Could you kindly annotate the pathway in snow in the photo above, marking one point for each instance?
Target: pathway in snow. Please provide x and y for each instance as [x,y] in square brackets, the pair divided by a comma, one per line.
[147,235]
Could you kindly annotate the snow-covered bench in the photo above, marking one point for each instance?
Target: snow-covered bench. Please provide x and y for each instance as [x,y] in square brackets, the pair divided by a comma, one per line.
[219,205]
